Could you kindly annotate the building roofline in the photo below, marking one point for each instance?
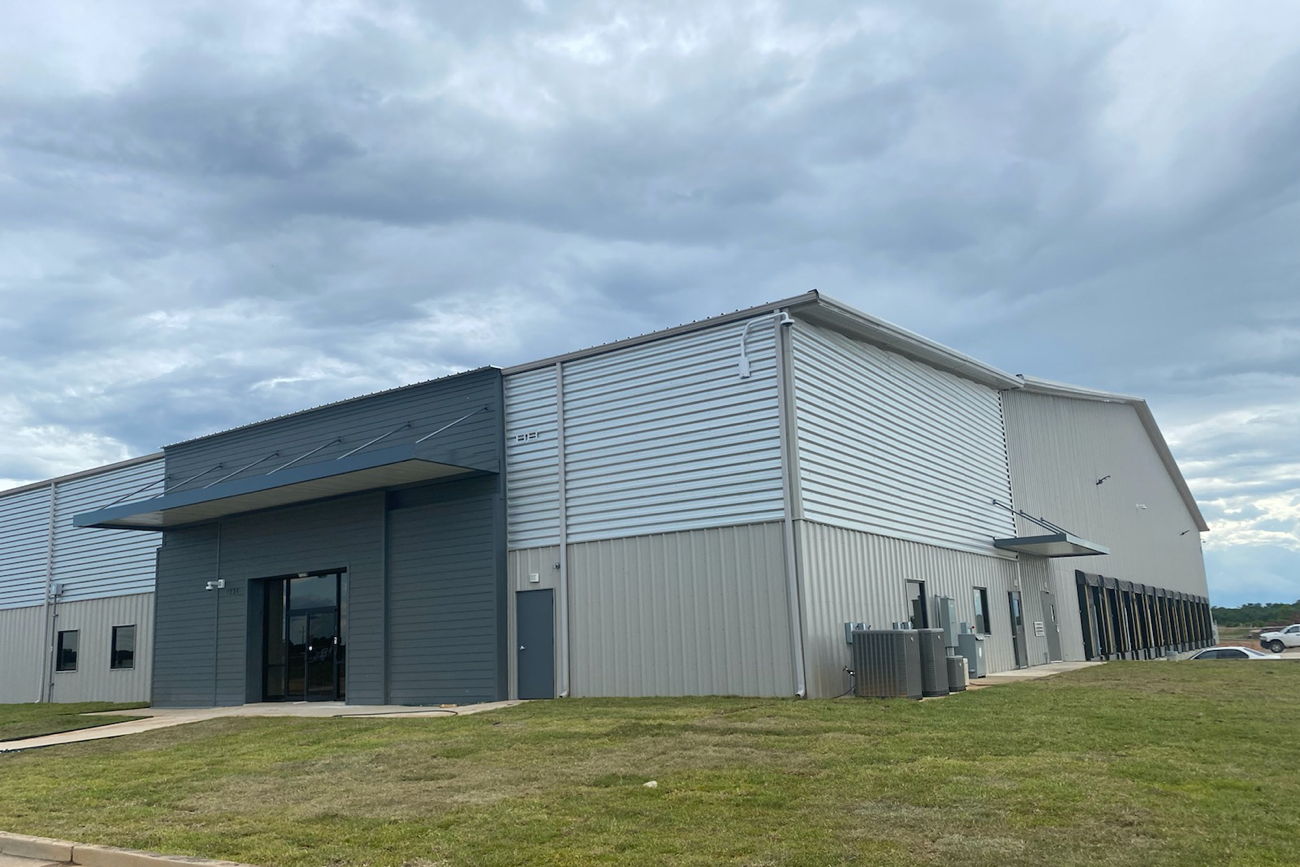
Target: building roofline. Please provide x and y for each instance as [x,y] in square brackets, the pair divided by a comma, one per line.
[1074,392]
[80,474]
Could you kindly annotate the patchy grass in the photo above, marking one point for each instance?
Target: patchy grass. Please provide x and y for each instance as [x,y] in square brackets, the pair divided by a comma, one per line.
[1126,764]
[18,721]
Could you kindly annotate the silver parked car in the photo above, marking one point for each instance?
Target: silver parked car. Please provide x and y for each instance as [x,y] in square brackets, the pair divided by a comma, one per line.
[1230,653]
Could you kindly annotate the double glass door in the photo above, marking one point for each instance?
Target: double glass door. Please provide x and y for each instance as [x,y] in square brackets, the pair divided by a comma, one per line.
[306,638]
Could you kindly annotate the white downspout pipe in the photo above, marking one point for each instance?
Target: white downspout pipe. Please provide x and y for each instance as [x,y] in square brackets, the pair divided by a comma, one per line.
[786,432]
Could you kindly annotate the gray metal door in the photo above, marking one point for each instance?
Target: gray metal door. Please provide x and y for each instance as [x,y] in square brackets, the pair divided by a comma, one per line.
[1018,629]
[535,634]
[1052,626]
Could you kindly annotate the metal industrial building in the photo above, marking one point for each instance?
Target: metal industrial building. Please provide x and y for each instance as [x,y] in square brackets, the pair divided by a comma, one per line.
[696,511]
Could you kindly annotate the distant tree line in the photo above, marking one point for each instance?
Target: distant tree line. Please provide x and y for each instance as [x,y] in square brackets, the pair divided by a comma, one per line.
[1255,614]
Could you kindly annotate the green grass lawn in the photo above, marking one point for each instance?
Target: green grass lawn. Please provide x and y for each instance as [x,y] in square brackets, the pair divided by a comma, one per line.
[1126,764]
[19,721]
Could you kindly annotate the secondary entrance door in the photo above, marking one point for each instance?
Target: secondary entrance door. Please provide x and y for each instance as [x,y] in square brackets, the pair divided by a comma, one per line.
[1051,626]
[1018,629]
[306,644]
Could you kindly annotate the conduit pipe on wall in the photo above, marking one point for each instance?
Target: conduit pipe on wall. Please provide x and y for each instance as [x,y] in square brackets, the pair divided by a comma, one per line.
[51,606]
[786,432]
[563,601]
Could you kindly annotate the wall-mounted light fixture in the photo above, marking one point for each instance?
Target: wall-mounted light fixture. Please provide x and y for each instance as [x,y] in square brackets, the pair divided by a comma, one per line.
[219,584]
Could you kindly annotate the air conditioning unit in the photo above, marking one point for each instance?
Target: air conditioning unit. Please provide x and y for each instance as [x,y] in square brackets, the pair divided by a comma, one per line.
[887,663]
[934,665]
[957,674]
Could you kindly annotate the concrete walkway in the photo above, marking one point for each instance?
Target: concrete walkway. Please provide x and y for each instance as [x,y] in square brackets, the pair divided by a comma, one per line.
[15,861]
[1032,673]
[161,718]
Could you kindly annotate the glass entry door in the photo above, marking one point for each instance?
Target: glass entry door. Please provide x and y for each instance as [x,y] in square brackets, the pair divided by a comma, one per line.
[306,646]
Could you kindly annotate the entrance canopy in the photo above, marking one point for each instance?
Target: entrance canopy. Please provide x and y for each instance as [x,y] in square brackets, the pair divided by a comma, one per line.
[382,468]
[1052,545]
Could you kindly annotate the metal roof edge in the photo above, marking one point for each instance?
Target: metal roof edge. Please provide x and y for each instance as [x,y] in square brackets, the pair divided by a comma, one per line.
[1047,387]
[870,329]
[80,474]
[810,297]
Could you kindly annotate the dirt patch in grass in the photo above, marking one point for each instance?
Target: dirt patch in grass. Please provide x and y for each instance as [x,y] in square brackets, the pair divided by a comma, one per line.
[1126,764]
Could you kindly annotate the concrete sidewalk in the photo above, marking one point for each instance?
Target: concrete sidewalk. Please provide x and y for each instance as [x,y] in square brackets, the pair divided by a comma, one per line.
[1023,674]
[161,718]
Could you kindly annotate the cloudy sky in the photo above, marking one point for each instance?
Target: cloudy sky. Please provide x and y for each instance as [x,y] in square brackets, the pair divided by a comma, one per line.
[211,213]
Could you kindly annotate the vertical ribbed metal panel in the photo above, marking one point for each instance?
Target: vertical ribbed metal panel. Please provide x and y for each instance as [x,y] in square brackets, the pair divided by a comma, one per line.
[853,576]
[543,563]
[701,612]
[22,652]
[666,436]
[94,619]
[24,541]
[891,446]
[532,480]
[93,563]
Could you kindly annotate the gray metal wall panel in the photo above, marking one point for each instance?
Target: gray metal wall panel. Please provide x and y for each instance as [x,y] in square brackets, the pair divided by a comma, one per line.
[659,437]
[849,575]
[93,563]
[445,598]
[891,446]
[1059,448]
[700,612]
[94,619]
[532,459]
[185,619]
[427,406]
[22,653]
[24,542]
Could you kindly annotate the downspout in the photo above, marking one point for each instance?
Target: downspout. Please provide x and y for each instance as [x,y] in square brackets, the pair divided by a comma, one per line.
[563,530]
[51,612]
[785,415]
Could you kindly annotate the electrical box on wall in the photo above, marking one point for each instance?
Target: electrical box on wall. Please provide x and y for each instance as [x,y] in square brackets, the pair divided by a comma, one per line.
[850,628]
[534,578]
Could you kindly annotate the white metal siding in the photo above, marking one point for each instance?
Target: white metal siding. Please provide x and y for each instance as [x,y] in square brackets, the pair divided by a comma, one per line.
[22,649]
[659,437]
[532,481]
[94,620]
[702,612]
[92,563]
[891,446]
[851,576]
[24,543]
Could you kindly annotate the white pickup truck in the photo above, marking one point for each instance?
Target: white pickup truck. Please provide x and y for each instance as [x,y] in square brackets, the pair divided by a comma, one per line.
[1280,641]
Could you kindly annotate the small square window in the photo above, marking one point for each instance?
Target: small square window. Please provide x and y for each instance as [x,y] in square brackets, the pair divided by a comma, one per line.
[123,653]
[66,657]
[981,600]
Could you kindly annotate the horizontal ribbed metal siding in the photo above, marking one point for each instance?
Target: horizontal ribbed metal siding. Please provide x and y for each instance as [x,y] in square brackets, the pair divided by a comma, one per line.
[532,477]
[22,654]
[94,564]
[666,436]
[701,612]
[24,541]
[851,576]
[891,446]
[1059,448]
[94,619]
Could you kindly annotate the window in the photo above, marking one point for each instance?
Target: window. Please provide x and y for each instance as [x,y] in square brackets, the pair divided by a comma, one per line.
[66,658]
[981,624]
[916,607]
[123,653]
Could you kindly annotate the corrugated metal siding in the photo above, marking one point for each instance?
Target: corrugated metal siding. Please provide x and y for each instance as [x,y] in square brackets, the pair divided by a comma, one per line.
[427,407]
[92,563]
[94,619]
[853,576]
[24,543]
[891,446]
[532,477]
[22,653]
[543,562]
[666,436]
[701,612]
[446,604]
[1059,448]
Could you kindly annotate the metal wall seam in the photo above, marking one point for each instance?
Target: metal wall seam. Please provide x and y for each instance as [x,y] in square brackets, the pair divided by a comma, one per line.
[888,445]
[561,460]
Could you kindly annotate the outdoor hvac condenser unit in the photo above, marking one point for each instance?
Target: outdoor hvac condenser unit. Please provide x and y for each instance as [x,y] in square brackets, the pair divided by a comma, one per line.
[934,665]
[971,646]
[887,663]
[957,674]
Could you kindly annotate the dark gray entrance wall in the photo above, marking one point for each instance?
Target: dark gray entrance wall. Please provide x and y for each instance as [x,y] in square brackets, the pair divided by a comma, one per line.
[427,406]
[185,616]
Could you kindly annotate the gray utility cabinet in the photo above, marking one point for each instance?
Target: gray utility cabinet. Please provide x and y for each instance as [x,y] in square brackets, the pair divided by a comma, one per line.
[887,663]
[971,646]
[934,664]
